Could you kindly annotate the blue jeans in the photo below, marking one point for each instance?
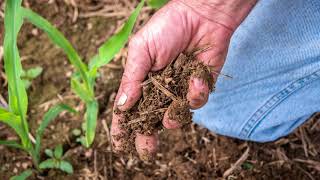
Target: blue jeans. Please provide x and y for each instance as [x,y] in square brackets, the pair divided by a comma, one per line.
[274,59]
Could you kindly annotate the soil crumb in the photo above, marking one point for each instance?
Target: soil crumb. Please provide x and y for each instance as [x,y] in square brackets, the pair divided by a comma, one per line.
[161,91]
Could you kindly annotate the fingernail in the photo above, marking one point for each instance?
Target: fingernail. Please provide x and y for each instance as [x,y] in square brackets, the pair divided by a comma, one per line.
[197,83]
[122,100]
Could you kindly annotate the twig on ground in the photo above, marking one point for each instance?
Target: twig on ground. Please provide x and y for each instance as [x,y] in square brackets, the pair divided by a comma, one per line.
[313,164]
[106,128]
[304,143]
[238,163]
[214,157]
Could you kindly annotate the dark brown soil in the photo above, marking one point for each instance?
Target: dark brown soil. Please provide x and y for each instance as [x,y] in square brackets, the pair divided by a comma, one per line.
[163,90]
[192,153]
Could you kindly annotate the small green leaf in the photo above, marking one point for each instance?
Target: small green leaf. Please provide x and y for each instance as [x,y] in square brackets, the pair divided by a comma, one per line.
[49,152]
[114,44]
[49,164]
[23,176]
[157,4]
[32,73]
[66,167]
[58,151]
[27,83]
[247,166]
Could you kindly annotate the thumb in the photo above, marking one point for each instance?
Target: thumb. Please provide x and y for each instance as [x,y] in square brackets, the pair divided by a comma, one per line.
[137,67]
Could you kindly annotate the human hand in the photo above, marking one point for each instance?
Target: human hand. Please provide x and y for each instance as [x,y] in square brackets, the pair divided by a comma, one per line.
[180,26]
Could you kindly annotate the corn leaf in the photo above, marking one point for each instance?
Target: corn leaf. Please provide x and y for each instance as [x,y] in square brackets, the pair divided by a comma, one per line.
[57,37]
[18,100]
[48,117]
[113,45]
[157,4]
[23,176]
[90,122]
[14,122]
[81,90]
[13,144]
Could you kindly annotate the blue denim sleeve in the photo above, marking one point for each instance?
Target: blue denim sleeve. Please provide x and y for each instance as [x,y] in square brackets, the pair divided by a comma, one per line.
[274,59]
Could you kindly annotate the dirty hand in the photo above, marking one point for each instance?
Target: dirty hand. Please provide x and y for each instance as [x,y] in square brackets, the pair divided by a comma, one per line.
[180,26]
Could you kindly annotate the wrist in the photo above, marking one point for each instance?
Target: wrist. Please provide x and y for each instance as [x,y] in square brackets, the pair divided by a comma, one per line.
[228,13]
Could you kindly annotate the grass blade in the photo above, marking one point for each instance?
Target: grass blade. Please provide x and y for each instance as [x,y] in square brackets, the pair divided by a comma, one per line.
[90,122]
[113,45]
[18,100]
[57,37]
[23,176]
[48,117]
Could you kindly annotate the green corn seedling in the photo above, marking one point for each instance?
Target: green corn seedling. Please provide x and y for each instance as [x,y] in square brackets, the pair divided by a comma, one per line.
[16,114]
[83,80]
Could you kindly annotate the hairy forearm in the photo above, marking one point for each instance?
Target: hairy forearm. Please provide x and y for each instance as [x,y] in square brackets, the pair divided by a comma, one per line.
[229,13]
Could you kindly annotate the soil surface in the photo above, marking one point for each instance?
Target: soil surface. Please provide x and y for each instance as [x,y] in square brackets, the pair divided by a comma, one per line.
[191,153]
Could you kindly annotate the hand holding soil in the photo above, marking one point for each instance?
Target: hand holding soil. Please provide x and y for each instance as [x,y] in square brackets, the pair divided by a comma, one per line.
[184,26]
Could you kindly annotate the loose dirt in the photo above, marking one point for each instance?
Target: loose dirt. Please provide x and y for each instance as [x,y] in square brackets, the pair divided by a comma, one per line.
[163,91]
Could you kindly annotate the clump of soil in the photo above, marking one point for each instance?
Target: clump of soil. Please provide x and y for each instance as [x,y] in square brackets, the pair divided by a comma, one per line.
[163,90]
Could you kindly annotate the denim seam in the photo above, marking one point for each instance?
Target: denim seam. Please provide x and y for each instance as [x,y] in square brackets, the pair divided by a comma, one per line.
[274,101]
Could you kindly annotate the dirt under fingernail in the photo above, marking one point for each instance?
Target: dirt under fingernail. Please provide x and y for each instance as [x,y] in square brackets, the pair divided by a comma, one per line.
[163,90]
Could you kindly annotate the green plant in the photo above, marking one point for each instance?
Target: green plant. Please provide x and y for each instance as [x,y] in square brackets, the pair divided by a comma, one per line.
[83,80]
[56,161]
[28,75]
[16,114]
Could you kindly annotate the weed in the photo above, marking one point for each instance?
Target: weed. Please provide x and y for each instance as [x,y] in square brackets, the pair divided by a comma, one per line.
[56,161]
